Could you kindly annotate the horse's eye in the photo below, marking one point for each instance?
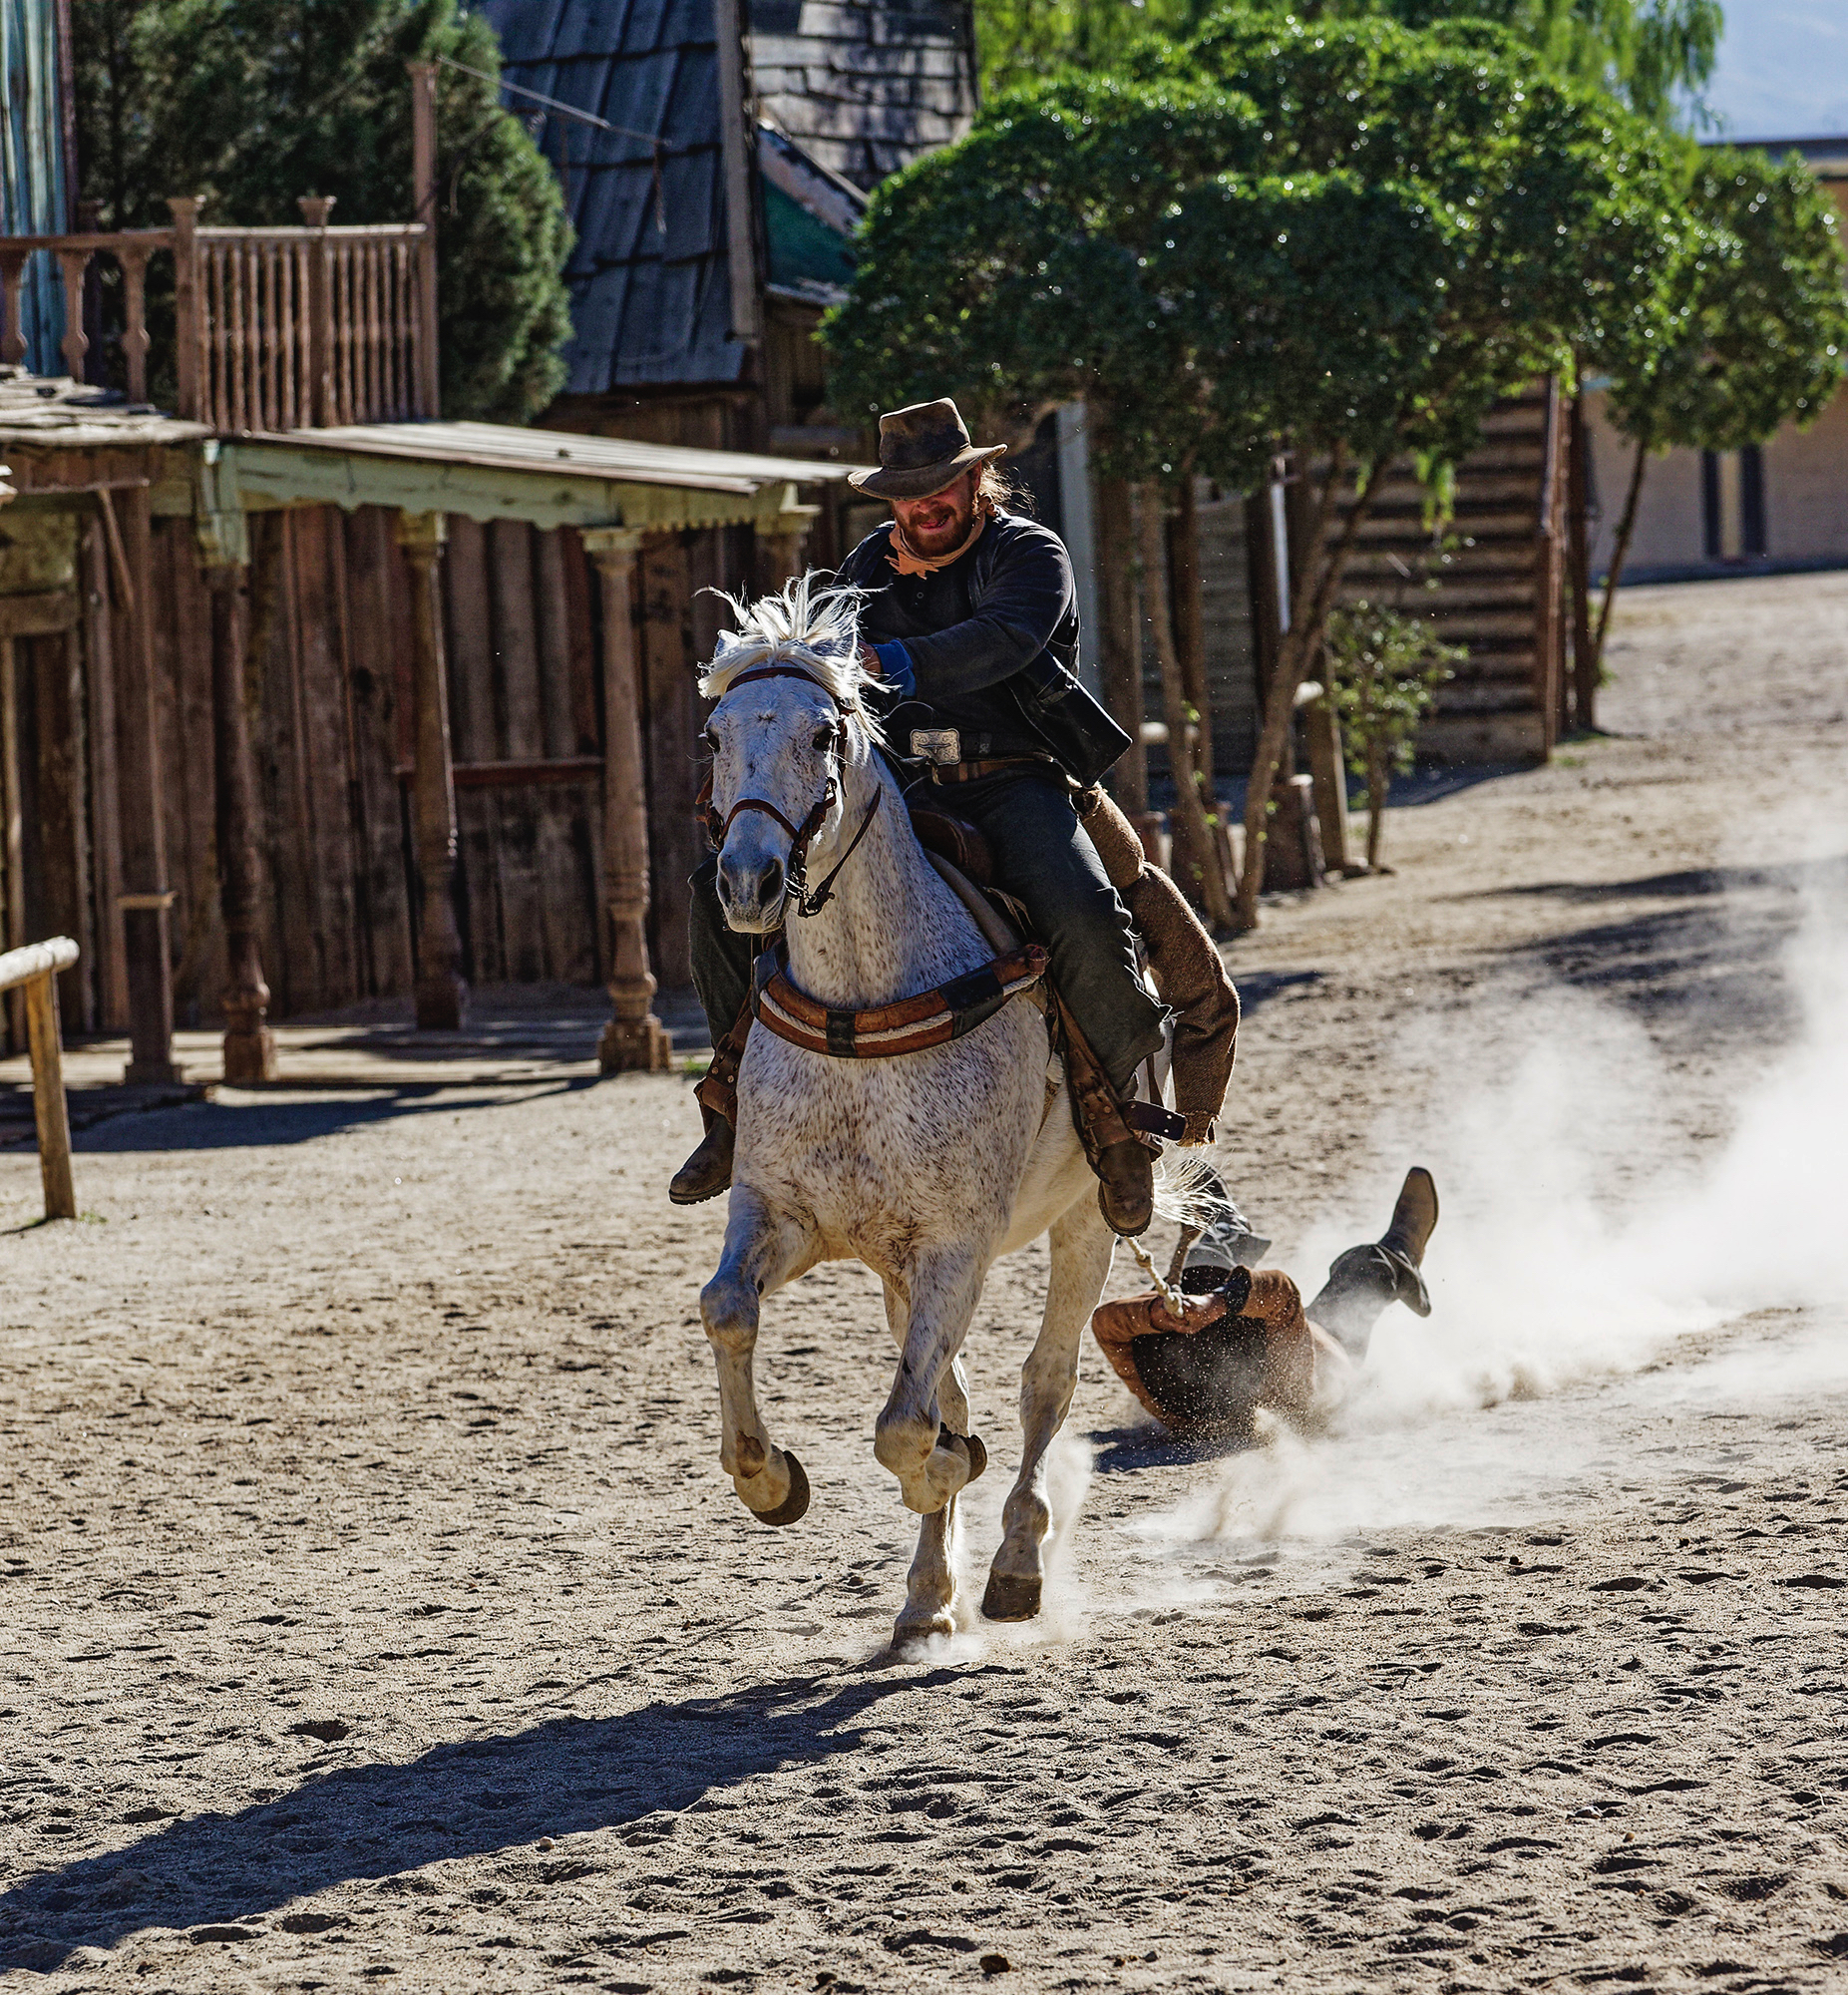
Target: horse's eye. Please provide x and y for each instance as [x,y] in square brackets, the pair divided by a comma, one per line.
[709,736]
[824,738]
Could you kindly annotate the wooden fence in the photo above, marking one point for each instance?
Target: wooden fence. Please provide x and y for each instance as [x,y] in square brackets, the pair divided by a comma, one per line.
[35,966]
[275,329]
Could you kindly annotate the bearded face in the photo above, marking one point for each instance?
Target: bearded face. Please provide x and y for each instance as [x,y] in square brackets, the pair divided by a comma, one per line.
[935,525]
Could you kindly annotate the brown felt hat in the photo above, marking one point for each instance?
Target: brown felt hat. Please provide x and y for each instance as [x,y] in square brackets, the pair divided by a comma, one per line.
[921,449]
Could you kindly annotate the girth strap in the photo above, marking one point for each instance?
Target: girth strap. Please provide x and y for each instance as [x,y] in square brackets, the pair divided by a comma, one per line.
[909,1026]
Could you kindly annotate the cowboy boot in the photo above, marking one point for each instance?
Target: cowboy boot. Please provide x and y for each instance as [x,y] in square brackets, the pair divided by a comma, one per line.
[1365,1280]
[1126,1186]
[1124,1161]
[707,1172]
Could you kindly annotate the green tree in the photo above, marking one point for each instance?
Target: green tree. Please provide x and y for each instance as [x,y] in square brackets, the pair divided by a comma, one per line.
[1384,668]
[256,102]
[1756,333]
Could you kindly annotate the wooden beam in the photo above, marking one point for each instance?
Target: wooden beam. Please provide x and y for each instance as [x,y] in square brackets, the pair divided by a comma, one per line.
[47,1104]
[738,157]
[145,894]
[634,1039]
[249,1044]
[424,211]
[442,995]
[39,614]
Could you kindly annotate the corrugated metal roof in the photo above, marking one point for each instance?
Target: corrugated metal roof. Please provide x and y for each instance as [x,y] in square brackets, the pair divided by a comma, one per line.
[650,296]
[498,447]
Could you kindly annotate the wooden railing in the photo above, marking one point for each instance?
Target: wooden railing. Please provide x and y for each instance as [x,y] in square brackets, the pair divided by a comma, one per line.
[37,966]
[275,329]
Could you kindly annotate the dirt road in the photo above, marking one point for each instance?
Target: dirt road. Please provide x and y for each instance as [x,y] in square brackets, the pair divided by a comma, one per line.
[374,1611]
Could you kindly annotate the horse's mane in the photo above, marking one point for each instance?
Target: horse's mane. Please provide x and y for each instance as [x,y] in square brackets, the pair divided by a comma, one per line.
[802,624]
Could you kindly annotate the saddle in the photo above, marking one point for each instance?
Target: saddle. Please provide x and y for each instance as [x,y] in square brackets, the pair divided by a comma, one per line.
[1184,964]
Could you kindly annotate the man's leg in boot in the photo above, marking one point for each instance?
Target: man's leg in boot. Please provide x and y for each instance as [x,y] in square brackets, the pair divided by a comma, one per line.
[1365,1280]
[722,975]
[1044,857]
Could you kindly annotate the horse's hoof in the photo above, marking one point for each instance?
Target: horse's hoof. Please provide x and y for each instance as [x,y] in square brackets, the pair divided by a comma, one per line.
[979,1455]
[1010,1597]
[796,1503]
[911,1635]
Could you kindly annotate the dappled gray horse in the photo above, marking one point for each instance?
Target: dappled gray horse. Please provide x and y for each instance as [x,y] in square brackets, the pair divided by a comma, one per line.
[866,1132]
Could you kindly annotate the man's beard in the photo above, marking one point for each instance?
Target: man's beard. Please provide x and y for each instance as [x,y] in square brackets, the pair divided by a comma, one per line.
[940,539]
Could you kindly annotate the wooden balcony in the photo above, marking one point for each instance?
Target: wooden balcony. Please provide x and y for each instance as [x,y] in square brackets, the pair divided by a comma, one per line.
[275,329]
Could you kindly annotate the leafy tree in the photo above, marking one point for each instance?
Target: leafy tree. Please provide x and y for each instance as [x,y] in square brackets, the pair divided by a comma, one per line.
[1756,334]
[255,102]
[1384,668]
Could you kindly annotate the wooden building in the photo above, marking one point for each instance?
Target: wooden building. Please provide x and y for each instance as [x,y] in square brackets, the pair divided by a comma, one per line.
[303,702]
[715,195]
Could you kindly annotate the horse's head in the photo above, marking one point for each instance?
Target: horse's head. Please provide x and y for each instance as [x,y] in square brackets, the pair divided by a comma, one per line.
[785,736]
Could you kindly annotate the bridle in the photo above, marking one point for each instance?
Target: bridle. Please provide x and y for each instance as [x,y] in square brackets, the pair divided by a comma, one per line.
[798,892]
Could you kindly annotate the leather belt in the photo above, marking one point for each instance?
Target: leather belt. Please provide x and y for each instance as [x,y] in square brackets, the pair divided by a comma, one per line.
[972,772]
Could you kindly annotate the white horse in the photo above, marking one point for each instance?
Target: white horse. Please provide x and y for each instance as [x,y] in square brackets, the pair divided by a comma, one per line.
[927,1167]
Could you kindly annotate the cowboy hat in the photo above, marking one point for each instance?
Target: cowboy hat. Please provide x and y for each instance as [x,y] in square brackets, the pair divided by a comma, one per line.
[921,449]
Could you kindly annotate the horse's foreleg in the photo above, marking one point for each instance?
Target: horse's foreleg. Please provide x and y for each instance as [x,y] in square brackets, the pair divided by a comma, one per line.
[930,1586]
[762,1251]
[1081,1247]
[939,1294]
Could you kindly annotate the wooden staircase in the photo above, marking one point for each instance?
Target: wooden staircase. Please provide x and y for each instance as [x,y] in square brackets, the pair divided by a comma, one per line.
[1498,582]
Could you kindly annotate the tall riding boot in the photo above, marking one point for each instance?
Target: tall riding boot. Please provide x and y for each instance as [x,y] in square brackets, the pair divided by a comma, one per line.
[1123,1160]
[1365,1280]
[707,1172]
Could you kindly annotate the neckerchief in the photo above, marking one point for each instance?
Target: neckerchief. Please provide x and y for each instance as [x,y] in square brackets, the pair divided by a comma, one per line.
[906,563]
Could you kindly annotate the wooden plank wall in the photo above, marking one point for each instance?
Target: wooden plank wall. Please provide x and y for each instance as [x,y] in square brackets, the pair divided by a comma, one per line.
[326,616]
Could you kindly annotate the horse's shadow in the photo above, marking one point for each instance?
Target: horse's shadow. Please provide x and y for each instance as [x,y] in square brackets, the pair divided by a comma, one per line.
[466,1798]
[1123,1451]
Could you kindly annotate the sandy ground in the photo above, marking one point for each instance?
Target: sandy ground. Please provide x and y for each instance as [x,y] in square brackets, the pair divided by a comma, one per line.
[374,1610]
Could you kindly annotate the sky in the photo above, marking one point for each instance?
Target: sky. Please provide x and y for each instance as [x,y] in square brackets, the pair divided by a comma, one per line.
[1784,70]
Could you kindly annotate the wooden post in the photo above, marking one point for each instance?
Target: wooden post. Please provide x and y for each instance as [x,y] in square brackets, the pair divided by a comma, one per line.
[249,1044]
[35,966]
[442,995]
[48,1104]
[1329,774]
[634,1040]
[780,543]
[323,401]
[147,897]
[424,210]
[738,167]
[12,830]
[1120,643]
[188,358]
[1577,509]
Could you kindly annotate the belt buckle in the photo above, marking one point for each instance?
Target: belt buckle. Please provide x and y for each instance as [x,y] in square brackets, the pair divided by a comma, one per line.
[942,747]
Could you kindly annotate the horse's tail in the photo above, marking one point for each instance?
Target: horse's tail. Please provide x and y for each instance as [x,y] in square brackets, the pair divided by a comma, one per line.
[1187,1190]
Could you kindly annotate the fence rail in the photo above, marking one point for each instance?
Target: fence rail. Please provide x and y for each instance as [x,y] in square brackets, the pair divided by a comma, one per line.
[275,329]
[37,966]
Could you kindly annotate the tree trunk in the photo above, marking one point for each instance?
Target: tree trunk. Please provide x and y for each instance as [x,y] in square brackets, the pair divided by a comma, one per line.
[1314,595]
[1121,653]
[1579,568]
[1190,626]
[1194,835]
[1625,528]
[1378,786]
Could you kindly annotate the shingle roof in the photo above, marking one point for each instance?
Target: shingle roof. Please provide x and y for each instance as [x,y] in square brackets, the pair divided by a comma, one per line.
[651,297]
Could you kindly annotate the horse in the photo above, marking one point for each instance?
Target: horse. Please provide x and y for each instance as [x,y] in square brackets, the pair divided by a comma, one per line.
[925,1165]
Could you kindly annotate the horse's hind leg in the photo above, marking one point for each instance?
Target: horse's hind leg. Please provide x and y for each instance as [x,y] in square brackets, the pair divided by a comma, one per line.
[1081,1249]
[763,1250]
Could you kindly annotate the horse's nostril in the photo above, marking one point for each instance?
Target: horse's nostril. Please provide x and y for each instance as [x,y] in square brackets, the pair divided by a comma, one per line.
[748,886]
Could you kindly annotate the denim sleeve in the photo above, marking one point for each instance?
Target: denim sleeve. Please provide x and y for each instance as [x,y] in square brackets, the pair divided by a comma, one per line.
[1029,596]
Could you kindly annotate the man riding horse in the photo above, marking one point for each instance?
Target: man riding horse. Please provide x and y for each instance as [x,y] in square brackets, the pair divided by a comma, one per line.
[970,622]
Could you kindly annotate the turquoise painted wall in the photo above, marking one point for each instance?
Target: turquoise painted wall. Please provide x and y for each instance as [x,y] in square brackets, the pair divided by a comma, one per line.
[33,197]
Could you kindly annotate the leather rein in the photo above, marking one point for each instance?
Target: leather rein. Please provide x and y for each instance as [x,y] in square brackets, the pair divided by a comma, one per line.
[805,902]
